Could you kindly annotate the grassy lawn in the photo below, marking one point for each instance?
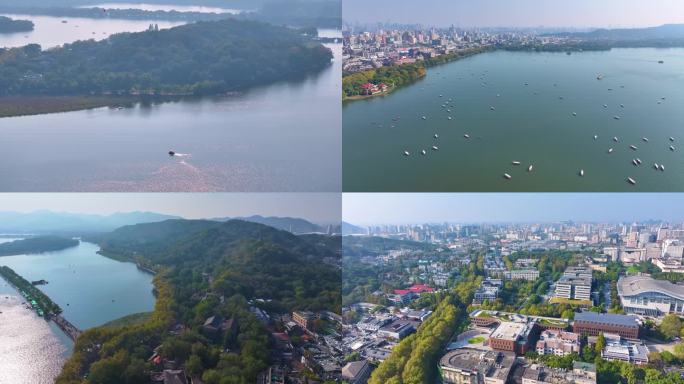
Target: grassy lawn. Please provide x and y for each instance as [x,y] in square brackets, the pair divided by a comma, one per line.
[476,340]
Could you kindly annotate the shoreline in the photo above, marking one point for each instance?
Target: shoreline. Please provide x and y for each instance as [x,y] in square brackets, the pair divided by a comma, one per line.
[425,64]
[17,106]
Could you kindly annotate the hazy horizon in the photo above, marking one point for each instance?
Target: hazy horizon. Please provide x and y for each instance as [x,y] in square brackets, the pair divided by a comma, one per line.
[315,207]
[499,208]
[517,14]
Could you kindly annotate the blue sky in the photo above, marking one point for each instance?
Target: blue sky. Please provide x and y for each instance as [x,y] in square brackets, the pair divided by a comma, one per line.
[412,208]
[517,13]
[317,207]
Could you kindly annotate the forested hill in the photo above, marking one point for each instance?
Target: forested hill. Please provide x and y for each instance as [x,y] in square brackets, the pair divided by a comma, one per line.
[207,57]
[8,25]
[37,244]
[207,268]
[247,258]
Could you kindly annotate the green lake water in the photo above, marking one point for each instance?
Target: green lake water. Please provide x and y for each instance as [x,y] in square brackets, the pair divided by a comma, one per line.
[533,124]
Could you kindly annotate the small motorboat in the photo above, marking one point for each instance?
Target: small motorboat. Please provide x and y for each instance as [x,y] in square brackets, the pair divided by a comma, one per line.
[467,136]
[507,176]
[423,152]
[515,162]
[631,181]
[672,148]
[581,172]
[633,147]
[529,169]
[406,153]
[435,148]
[610,150]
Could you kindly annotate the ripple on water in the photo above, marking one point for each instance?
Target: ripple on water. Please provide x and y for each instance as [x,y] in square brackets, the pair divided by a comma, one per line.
[30,353]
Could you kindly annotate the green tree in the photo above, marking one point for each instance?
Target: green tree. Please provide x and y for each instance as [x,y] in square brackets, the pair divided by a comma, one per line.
[671,325]
[600,344]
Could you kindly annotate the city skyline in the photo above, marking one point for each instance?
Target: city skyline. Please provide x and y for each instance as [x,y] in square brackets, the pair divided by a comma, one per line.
[421,208]
[524,13]
[315,207]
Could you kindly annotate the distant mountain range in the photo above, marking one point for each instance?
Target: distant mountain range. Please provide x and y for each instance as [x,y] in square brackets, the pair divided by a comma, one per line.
[41,222]
[663,32]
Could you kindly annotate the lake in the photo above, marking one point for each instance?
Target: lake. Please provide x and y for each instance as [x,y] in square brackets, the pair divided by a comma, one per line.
[90,288]
[533,124]
[51,31]
[283,137]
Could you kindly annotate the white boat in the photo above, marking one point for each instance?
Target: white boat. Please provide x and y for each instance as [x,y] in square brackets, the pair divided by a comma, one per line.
[671,138]
[635,162]
[645,139]
[507,176]
[672,148]
[406,153]
[616,117]
[656,166]
[599,77]
[449,118]
[638,160]
[595,137]
[515,162]
[424,118]
[529,169]
[434,148]
[440,95]
[581,172]
[615,139]
[610,150]
[467,136]
[631,181]
[605,105]
[662,167]
[492,108]
[436,136]
[423,152]
[449,110]
[574,113]
[633,147]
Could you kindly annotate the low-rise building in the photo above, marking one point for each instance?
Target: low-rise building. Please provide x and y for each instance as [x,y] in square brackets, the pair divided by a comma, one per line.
[472,366]
[617,348]
[304,319]
[356,372]
[592,323]
[582,373]
[513,336]
[398,329]
[525,274]
[559,343]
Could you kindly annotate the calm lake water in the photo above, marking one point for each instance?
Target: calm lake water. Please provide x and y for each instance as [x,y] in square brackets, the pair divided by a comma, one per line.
[532,123]
[51,31]
[283,137]
[91,290]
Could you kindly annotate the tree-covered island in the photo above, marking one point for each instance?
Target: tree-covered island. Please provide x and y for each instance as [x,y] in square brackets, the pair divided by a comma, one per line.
[8,25]
[202,58]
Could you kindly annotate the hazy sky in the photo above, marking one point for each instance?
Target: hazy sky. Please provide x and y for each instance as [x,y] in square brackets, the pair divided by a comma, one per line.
[410,208]
[517,13]
[317,207]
